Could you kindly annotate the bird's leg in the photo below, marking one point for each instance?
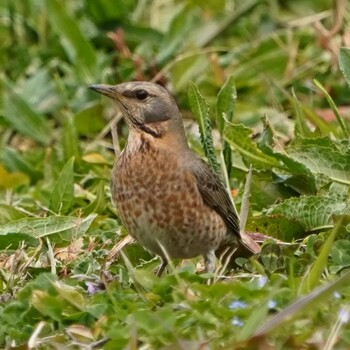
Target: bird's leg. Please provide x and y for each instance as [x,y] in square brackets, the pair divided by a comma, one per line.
[162,267]
[209,261]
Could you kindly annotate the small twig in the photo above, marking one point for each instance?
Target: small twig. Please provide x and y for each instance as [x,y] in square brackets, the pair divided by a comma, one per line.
[32,343]
[51,257]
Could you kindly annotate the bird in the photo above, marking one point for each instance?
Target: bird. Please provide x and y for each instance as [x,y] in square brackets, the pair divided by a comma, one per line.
[168,198]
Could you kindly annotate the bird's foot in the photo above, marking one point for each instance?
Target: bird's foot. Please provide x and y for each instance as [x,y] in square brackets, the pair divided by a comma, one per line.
[162,267]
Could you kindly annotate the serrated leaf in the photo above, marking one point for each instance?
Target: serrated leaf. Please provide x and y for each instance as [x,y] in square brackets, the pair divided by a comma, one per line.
[200,110]
[64,226]
[313,212]
[277,226]
[63,192]
[239,137]
[344,63]
[322,160]
[225,103]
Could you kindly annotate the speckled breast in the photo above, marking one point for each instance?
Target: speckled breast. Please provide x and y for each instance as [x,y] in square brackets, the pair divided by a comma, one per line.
[159,204]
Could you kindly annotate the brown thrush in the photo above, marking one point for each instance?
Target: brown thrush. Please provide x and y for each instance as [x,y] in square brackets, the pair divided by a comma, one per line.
[168,198]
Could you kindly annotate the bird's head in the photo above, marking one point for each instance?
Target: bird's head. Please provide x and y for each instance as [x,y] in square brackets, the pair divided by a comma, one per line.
[147,107]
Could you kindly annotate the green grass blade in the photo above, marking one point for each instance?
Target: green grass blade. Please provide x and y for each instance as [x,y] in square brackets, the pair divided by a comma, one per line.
[313,276]
[303,304]
[77,47]
[334,108]
[23,118]
[63,192]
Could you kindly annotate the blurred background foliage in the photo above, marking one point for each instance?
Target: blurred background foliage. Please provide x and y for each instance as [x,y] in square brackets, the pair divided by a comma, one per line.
[56,152]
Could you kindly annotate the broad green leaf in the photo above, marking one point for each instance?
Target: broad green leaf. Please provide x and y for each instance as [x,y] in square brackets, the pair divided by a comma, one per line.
[23,118]
[44,282]
[225,103]
[302,181]
[76,45]
[9,213]
[239,137]
[322,160]
[71,146]
[64,226]
[48,305]
[69,294]
[344,63]
[313,212]
[63,192]
[12,240]
[89,120]
[200,110]
[266,191]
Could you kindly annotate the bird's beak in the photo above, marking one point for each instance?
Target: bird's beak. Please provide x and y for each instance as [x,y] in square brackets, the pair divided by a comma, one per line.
[108,90]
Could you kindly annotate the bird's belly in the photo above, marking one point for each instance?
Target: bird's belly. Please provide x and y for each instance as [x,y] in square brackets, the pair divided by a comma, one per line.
[160,206]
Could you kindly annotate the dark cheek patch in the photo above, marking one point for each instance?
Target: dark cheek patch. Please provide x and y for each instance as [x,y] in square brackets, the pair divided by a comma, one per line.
[129,93]
[157,112]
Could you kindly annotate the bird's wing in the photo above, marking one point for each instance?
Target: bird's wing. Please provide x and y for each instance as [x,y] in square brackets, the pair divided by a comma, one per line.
[215,194]
[216,197]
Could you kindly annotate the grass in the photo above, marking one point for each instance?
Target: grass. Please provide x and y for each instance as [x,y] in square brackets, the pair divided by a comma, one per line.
[268,83]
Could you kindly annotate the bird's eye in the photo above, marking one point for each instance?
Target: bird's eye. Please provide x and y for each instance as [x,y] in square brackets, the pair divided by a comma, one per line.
[141,94]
